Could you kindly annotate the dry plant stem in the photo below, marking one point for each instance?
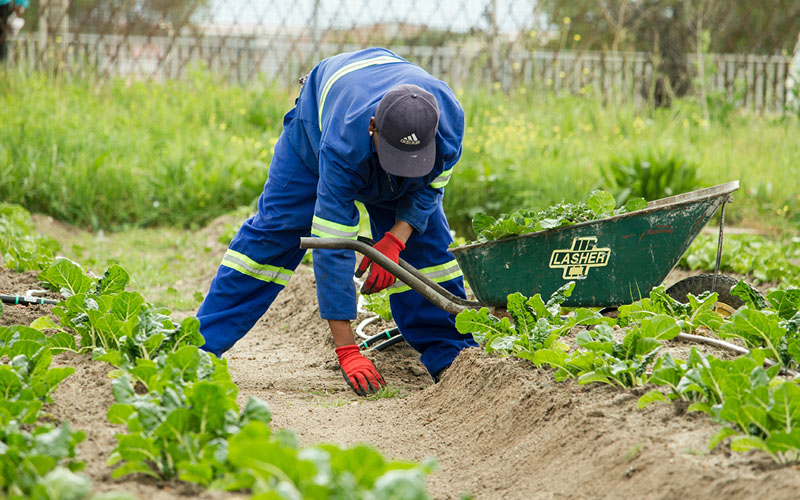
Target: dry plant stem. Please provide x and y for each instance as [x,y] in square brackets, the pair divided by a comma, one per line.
[730,347]
[712,342]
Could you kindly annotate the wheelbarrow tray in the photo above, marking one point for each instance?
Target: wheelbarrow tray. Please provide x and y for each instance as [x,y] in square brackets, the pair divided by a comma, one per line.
[614,261]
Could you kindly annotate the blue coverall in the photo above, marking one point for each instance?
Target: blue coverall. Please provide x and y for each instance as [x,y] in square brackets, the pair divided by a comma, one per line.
[324,161]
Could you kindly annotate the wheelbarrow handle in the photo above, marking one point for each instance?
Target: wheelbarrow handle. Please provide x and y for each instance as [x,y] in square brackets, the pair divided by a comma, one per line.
[405,273]
[444,292]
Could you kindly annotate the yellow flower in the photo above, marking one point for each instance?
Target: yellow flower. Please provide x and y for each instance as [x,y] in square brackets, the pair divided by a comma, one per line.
[577,37]
[582,90]
[555,129]
[516,66]
[549,82]
[532,33]
[585,71]
[567,20]
[561,74]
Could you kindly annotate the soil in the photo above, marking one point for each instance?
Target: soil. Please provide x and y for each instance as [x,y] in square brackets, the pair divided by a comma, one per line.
[498,427]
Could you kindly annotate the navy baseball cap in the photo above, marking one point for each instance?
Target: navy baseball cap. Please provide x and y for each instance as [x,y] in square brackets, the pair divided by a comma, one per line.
[407,118]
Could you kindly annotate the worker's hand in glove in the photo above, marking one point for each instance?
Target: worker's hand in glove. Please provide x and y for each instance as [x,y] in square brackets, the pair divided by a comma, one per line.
[358,371]
[379,278]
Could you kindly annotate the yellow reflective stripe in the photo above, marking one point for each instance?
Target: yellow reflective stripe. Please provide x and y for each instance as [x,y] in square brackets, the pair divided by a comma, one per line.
[443,179]
[349,69]
[329,229]
[248,266]
[324,234]
[437,274]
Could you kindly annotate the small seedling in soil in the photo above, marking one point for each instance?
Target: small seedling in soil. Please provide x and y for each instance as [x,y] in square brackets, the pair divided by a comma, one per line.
[385,392]
[633,453]
[333,403]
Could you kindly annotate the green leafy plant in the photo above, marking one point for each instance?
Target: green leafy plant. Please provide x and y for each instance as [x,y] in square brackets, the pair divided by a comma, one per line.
[269,463]
[534,324]
[119,324]
[184,422]
[624,363]
[179,426]
[766,260]
[379,304]
[30,452]
[698,311]
[30,459]
[650,174]
[20,248]
[27,381]
[177,402]
[600,204]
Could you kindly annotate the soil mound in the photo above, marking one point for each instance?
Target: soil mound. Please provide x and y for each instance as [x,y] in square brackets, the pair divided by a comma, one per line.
[499,428]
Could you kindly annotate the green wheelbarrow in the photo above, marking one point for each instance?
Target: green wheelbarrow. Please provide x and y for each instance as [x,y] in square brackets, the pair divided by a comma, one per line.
[613,261]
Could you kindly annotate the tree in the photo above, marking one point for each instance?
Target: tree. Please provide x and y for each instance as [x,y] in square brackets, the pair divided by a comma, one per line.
[143,17]
[736,26]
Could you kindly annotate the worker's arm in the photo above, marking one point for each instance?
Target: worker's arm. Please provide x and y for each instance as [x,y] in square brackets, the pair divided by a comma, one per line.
[336,216]
[359,372]
[392,243]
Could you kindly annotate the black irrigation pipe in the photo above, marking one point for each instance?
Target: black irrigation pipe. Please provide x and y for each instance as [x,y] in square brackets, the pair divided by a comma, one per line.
[392,341]
[26,300]
[388,338]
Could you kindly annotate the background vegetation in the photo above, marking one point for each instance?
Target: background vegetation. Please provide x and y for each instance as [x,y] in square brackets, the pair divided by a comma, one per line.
[131,154]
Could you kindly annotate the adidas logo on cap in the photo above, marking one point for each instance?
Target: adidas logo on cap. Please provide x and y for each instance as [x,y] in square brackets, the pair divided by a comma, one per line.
[411,140]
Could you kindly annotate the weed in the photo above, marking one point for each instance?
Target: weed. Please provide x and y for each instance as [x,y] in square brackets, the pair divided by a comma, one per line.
[650,174]
[385,392]
[633,453]
[333,403]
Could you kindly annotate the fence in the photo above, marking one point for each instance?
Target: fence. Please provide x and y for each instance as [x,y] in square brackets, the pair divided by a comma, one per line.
[484,48]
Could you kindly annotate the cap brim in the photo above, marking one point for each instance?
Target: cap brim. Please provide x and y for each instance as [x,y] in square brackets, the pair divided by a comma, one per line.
[406,163]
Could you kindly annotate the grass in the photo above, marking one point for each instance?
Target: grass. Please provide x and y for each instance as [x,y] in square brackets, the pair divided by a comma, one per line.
[535,149]
[142,154]
[132,153]
[169,265]
[633,453]
[386,392]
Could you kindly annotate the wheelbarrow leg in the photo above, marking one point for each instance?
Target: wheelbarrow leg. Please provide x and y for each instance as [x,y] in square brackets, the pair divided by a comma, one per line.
[719,243]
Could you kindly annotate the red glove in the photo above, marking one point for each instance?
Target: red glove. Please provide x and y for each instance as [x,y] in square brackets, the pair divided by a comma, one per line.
[359,372]
[379,278]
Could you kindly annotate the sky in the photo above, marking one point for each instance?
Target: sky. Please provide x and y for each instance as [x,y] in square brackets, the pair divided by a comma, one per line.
[455,15]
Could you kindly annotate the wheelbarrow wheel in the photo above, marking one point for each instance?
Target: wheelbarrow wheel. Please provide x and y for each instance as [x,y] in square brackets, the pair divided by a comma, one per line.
[696,285]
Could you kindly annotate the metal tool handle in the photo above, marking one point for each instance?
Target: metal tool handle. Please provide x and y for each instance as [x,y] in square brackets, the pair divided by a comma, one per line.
[404,271]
